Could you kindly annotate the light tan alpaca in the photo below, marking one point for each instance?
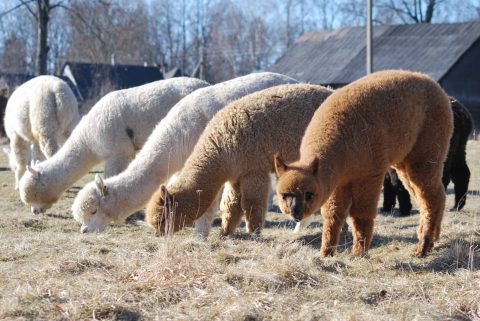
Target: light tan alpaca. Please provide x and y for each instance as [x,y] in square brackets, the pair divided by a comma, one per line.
[390,118]
[237,147]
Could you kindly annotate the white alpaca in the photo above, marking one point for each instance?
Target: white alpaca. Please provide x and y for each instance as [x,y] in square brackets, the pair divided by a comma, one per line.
[41,112]
[167,148]
[114,130]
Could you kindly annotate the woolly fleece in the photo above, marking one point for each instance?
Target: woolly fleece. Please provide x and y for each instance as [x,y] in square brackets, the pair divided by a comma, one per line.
[42,111]
[348,147]
[114,130]
[237,147]
[164,153]
[455,168]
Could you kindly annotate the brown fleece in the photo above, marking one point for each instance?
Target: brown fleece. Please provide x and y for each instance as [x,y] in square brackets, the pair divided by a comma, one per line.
[348,147]
[237,147]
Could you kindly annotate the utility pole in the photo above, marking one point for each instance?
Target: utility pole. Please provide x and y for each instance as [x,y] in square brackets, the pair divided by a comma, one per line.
[369,37]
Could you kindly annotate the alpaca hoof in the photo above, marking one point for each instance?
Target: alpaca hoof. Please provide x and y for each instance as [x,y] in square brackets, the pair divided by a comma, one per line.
[327,252]
[423,248]
[359,250]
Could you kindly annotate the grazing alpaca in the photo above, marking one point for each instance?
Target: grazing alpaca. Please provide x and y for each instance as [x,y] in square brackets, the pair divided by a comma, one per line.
[348,147]
[455,167]
[237,148]
[41,112]
[164,153]
[113,130]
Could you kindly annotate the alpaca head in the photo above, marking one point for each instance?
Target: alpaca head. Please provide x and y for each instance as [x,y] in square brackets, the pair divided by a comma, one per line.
[166,211]
[87,207]
[35,190]
[298,192]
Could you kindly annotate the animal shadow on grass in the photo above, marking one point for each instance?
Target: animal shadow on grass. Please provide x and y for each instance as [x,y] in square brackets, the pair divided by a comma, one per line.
[112,313]
[217,222]
[396,212]
[452,256]
[72,191]
[346,240]
[135,217]
[59,216]
[240,233]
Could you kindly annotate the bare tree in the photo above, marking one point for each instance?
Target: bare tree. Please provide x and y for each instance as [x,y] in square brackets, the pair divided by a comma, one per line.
[417,11]
[40,10]
[13,57]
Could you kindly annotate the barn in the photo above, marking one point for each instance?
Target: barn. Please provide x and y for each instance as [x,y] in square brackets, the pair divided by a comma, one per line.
[449,53]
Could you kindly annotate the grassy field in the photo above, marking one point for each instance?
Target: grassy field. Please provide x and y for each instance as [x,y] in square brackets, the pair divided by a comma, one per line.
[49,271]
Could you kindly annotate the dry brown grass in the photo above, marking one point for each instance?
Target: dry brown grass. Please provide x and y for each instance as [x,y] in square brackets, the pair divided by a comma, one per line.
[48,271]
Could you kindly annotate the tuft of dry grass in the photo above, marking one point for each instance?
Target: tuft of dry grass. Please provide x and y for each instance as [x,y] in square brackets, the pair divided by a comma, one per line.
[49,271]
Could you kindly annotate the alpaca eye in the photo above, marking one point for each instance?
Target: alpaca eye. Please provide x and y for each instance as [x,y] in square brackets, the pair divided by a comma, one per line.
[286,195]
[94,212]
[308,196]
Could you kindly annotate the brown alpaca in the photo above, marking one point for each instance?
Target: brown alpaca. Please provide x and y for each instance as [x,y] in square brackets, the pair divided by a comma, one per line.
[348,147]
[237,147]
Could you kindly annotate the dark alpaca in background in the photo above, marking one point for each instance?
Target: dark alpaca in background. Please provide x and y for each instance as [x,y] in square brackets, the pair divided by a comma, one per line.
[455,167]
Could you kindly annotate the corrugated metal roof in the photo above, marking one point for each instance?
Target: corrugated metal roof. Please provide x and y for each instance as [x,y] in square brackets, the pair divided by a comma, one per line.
[338,56]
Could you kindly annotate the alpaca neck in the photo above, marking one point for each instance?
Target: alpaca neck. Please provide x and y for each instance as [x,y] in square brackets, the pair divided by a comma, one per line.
[162,156]
[331,171]
[196,192]
[68,165]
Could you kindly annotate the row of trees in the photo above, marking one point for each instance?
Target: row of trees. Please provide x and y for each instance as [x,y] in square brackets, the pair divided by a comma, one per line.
[216,39]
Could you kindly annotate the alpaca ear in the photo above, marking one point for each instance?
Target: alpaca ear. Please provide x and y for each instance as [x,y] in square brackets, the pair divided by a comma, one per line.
[100,185]
[164,192]
[32,171]
[280,166]
[314,166]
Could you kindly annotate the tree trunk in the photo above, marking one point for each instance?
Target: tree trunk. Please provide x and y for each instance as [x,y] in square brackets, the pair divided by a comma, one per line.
[429,11]
[42,35]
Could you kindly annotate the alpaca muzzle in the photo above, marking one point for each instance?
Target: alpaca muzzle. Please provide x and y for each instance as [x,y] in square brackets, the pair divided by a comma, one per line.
[296,208]
[38,209]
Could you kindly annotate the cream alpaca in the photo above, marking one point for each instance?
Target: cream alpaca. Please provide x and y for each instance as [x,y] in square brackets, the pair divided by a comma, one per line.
[348,147]
[237,147]
[164,153]
[41,112]
[114,130]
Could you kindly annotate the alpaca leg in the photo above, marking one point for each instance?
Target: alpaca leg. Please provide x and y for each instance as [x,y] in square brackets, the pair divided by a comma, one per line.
[334,212]
[426,183]
[254,195]
[231,208]
[365,194]
[116,164]
[303,224]
[204,223]
[37,154]
[460,178]
[19,150]
[388,195]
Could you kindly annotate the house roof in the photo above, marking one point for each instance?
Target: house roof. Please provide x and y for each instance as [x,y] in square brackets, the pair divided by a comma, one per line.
[86,75]
[338,56]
